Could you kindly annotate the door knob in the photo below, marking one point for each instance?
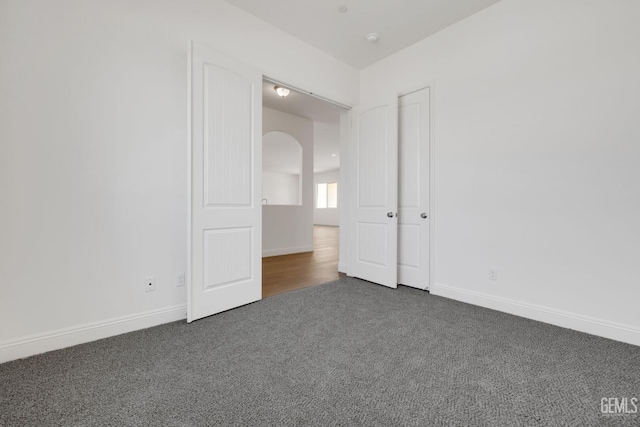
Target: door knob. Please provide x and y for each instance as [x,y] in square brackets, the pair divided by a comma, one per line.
[423,215]
[390,214]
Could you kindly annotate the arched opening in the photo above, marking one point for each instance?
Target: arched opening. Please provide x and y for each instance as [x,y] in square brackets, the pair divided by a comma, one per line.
[281,169]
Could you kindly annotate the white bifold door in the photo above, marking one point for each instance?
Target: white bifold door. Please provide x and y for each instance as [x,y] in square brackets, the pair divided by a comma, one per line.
[373,231]
[413,185]
[389,233]
[225,218]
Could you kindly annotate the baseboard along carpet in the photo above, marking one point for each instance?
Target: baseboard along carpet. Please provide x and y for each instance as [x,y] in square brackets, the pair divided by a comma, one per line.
[343,353]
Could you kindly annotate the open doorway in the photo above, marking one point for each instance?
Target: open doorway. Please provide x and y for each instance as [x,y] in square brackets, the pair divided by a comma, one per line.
[301,181]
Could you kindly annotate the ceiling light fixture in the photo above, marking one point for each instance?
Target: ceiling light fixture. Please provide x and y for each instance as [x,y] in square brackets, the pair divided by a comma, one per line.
[281,91]
[333,155]
[373,37]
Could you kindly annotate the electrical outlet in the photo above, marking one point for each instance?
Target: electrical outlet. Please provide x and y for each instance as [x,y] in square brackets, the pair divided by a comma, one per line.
[180,280]
[150,284]
[493,275]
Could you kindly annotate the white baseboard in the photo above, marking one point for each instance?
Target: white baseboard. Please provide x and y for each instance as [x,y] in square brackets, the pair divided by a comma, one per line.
[61,338]
[590,325]
[286,251]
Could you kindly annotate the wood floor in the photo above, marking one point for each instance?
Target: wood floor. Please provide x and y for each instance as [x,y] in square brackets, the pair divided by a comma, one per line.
[290,272]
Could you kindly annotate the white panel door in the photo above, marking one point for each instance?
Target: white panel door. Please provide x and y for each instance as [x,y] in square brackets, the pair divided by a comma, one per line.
[375,183]
[413,198]
[225,246]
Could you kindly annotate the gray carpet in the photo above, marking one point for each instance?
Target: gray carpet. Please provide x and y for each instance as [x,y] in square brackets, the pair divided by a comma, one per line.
[339,354]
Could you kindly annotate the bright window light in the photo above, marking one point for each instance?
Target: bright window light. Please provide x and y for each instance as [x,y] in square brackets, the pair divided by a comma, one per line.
[322,196]
[327,195]
[332,195]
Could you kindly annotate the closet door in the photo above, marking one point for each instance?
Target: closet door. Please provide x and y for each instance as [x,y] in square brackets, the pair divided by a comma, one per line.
[375,183]
[413,200]
[225,215]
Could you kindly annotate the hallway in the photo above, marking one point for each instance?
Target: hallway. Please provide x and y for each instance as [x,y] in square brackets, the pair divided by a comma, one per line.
[296,271]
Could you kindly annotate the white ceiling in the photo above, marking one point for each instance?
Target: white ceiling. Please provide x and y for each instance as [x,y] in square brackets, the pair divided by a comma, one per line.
[326,124]
[399,23]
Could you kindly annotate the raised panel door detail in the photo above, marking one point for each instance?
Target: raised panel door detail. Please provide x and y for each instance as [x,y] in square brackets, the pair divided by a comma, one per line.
[372,248]
[409,251]
[413,188]
[225,215]
[374,150]
[228,166]
[372,158]
[409,156]
[227,257]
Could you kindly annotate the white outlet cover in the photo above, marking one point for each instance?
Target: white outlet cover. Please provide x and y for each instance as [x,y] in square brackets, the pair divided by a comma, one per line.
[180,280]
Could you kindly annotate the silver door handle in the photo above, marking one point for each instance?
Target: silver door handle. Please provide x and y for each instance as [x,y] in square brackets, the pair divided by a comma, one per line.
[423,215]
[390,214]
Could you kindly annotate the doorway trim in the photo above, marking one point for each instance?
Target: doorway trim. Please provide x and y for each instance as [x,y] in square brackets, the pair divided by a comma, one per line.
[306,92]
[343,189]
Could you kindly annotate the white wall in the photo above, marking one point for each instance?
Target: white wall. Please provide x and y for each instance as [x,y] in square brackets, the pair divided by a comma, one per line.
[326,216]
[326,154]
[289,229]
[93,155]
[536,154]
[280,188]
